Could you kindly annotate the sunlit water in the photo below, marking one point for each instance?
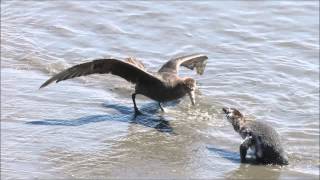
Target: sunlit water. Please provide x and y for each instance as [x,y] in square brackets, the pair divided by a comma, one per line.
[263,60]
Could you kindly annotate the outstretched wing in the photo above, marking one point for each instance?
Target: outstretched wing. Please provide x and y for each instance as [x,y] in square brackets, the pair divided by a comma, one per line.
[135,62]
[197,61]
[120,68]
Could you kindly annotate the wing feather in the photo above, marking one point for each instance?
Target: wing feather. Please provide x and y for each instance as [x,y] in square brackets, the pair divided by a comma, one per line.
[192,61]
[128,71]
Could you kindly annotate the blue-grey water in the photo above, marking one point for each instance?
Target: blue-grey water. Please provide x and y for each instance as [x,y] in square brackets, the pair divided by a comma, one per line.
[263,60]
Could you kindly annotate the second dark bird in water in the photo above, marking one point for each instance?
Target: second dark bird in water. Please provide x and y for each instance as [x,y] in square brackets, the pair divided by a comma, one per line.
[259,137]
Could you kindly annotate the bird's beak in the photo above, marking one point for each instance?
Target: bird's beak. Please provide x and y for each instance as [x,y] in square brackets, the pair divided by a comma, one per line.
[225,110]
[192,97]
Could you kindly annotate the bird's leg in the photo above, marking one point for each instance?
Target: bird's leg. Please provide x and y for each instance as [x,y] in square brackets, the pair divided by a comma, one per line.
[161,107]
[136,110]
[247,142]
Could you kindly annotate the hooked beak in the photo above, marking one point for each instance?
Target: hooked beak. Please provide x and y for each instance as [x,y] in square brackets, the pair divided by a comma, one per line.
[192,97]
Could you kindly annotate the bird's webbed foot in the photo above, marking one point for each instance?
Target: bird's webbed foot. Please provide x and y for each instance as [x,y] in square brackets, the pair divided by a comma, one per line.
[137,112]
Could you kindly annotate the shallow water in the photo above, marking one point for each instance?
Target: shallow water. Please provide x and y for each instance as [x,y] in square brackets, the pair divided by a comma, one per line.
[263,59]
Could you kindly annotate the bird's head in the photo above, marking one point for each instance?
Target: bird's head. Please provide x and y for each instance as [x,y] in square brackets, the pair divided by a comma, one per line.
[234,117]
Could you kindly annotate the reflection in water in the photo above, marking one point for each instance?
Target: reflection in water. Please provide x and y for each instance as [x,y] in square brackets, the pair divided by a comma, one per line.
[231,155]
[247,171]
[148,118]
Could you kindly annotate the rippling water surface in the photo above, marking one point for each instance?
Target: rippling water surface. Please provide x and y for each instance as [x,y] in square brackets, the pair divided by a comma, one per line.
[263,59]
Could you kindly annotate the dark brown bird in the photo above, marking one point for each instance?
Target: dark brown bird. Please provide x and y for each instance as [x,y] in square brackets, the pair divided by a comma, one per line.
[164,85]
[259,137]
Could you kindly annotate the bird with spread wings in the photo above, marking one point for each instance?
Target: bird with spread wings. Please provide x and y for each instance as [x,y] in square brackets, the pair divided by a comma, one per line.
[162,86]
